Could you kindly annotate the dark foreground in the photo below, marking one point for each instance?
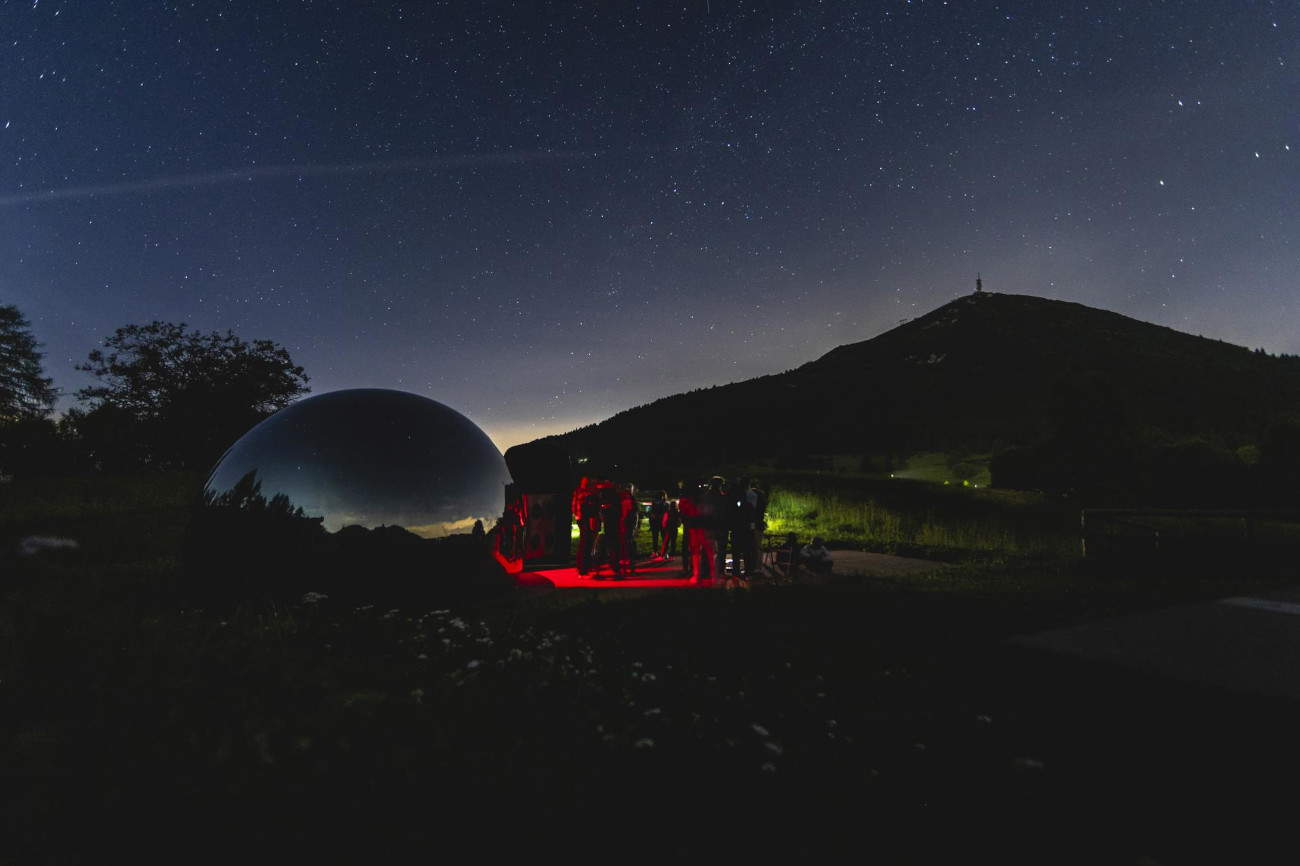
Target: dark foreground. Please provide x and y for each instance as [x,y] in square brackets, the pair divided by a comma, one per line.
[886,720]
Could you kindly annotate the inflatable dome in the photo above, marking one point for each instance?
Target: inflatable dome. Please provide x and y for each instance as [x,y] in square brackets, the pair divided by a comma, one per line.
[364,489]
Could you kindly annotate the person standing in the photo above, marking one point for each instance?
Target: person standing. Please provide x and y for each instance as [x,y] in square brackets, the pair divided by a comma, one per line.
[586,511]
[629,520]
[671,520]
[756,502]
[686,508]
[611,524]
[699,518]
[658,508]
[720,509]
[744,556]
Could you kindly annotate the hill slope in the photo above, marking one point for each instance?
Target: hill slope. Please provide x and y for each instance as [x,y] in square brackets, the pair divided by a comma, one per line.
[980,373]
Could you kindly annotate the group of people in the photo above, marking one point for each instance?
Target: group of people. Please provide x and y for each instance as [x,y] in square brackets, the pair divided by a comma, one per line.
[722,517]
[607,515]
[721,527]
[714,519]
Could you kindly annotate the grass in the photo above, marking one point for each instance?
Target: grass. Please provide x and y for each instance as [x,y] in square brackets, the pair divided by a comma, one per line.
[919,518]
[781,721]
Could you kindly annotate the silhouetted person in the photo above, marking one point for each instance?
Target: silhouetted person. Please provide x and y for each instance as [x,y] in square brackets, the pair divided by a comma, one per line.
[699,518]
[744,551]
[671,520]
[687,497]
[702,531]
[586,511]
[717,502]
[658,507]
[629,519]
[611,527]
[756,512]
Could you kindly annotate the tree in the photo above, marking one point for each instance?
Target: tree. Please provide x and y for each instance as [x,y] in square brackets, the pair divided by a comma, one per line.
[171,397]
[25,394]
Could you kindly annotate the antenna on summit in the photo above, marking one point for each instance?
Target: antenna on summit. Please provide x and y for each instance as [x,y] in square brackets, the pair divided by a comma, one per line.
[979,284]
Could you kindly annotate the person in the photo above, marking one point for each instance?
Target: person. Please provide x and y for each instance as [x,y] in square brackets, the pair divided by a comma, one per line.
[717,503]
[586,511]
[629,519]
[700,518]
[671,520]
[658,508]
[816,557]
[744,553]
[703,529]
[686,501]
[610,528]
[757,497]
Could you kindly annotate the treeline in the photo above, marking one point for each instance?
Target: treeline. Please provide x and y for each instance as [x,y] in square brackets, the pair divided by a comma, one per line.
[165,397]
[1137,468]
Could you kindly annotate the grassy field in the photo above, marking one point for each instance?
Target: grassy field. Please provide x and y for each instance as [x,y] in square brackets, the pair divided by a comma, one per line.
[922,518]
[782,721]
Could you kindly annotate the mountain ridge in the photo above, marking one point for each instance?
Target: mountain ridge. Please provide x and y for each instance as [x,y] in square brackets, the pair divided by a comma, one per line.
[984,372]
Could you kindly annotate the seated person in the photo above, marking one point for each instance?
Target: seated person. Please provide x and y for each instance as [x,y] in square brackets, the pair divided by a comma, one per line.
[816,557]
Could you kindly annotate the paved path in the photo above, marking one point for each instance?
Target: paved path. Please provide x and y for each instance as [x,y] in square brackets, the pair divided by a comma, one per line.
[663,574]
[1245,643]
[879,564]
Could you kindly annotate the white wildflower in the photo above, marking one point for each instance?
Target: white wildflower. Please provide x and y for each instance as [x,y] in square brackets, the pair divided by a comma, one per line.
[645,743]
[34,544]
[473,663]
[314,597]
[774,748]
[768,767]
[760,730]
[418,695]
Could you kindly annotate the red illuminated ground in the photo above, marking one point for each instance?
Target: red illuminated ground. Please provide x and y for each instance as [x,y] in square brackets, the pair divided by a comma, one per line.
[649,574]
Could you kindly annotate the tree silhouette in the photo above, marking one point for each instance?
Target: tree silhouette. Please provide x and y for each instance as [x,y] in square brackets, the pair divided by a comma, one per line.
[181,396]
[29,439]
[25,394]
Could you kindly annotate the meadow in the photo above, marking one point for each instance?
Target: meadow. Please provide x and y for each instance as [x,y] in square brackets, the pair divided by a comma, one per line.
[782,720]
[946,522]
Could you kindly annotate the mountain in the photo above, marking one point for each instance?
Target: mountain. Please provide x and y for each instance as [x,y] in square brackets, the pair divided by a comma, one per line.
[984,373]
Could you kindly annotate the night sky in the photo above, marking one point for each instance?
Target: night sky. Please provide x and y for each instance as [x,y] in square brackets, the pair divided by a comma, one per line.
[541,214]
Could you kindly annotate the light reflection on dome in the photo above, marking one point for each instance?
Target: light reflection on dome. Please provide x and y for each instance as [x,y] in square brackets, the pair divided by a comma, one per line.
[370,493]
[371,458]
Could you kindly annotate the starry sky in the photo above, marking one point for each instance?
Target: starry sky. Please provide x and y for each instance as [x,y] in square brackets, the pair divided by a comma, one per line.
[542,213]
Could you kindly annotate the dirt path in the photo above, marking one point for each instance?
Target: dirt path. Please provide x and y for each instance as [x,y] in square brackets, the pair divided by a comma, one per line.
[879,564]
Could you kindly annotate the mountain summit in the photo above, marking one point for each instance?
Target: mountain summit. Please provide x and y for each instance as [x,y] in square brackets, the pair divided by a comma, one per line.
[982,373]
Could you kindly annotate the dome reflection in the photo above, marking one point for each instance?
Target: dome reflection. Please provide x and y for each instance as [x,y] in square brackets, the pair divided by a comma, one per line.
[362,489]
